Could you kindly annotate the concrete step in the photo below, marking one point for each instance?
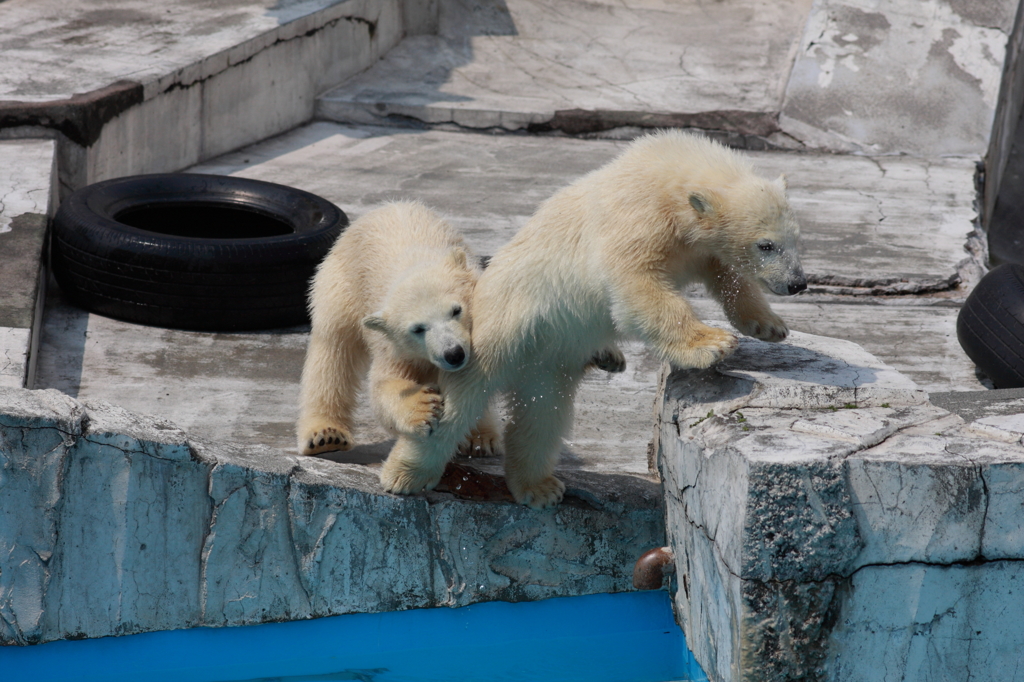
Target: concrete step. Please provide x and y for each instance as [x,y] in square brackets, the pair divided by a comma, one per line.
[830,75]
[144,88]
[27,200]
[880,225]
[584,66]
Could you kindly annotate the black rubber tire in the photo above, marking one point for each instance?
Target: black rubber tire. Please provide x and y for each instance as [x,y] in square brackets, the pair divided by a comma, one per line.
[990,326]
[252,273]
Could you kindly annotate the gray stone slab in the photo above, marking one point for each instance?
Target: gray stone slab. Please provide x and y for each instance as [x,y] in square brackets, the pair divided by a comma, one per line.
[52,49]
[27,199]
[26,193]
[916,336]
[15,345]
[865,222]
[897,616]
[580,66]
[244,388]
[138,89]
[782,520]
[917,78]
[974,405]
[138,527]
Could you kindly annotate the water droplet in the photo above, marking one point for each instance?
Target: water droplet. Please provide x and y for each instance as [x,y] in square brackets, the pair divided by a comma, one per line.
[458,487]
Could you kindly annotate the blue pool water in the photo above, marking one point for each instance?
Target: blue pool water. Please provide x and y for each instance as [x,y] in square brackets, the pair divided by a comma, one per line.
[599,638]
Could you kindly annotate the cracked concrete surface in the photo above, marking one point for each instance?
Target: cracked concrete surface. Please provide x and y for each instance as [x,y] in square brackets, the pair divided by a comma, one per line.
[921,78]
[521,65]
[811,530]
[490,185]
[50,50]
[27,171]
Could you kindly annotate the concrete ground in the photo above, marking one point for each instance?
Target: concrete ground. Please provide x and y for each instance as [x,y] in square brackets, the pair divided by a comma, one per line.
[889,242]
[244,387]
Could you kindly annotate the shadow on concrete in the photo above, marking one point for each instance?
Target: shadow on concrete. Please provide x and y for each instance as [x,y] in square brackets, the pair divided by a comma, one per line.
[367,453]
[416,69]
[1006,226]
[62,346]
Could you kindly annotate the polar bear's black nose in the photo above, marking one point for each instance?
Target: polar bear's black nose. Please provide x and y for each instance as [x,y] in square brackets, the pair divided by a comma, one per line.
[797,285]
[455,356]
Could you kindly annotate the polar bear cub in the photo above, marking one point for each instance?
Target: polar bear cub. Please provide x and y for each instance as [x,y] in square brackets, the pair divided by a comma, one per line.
[603,259]
[392,298]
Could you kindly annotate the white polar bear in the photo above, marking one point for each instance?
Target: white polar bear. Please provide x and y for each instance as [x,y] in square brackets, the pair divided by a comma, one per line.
[602,259]
[393,295]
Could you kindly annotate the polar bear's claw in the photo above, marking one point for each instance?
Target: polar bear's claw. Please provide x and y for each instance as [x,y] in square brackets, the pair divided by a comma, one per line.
[481,443]
[770,328]
[609,360]
[403,479]
[542,494]
[706,346]
[326,439]
[422,411]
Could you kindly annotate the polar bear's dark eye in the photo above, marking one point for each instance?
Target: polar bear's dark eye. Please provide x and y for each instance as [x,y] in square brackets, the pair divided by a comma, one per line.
[456,310]
[766,245]
[418,329]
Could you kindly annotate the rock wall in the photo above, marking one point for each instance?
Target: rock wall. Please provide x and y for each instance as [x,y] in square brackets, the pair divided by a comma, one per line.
[112,523]
[831,524]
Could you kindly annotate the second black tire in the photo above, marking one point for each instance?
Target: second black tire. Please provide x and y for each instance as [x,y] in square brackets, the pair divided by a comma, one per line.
[192,251]
[990,326]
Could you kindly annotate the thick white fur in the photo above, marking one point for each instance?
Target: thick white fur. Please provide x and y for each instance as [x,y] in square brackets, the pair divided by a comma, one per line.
[602,259]
[397,269]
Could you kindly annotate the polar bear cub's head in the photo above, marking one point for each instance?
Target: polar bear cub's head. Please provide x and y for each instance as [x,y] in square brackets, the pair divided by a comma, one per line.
[426,312]
[756,230]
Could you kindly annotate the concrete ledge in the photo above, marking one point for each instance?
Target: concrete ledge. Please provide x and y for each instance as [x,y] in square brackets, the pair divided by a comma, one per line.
[135,527]
[563,66]
[821,508]
[27,200]
[183,83]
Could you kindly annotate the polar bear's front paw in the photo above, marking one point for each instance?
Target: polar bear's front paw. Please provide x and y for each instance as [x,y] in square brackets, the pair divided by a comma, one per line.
[422,410]
[609,359]
[771,327]
[706,346]
[325,439]
[403,478]
[541,494]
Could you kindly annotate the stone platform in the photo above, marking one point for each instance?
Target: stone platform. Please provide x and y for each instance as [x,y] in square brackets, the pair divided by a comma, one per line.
[830,523]
[112,523]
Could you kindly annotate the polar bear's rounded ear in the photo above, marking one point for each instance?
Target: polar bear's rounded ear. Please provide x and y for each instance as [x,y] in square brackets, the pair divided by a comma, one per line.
[376,322]
[782,182]
[701,204]
[459,257]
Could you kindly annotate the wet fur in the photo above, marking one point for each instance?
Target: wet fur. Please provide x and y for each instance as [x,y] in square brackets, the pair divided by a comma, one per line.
[604,259]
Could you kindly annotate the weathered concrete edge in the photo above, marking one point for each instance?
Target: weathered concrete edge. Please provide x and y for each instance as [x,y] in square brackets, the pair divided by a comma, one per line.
[24,266]
[112,523]
[760,594]
[577,122]
[221,102]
